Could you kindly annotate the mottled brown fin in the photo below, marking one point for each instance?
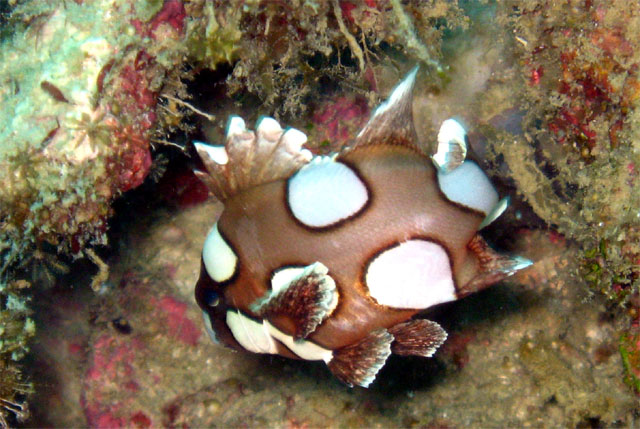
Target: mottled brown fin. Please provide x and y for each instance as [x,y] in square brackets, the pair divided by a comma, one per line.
[308,298]
[493,266]
[392,121]
[359,363]
[417,337]
[251,158]
[452,146]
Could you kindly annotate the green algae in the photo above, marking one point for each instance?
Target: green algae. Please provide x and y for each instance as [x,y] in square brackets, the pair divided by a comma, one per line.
[630,353]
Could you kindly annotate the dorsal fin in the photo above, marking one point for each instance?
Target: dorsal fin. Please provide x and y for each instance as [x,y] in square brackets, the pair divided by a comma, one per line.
[392,122]
[251,158]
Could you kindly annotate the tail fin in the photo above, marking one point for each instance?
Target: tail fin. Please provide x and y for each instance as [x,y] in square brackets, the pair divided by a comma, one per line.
[493,266]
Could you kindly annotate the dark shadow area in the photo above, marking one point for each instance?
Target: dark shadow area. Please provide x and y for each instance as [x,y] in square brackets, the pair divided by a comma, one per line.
[404,374]
[69,303]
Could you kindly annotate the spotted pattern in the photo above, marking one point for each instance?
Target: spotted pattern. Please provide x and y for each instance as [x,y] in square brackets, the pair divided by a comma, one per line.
[411,274]
[220,260]
[325,192]
[260,336]
[253,336]
[302,348]
[469,186]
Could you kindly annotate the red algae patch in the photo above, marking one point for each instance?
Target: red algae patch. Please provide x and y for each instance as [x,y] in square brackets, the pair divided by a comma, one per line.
[180,326]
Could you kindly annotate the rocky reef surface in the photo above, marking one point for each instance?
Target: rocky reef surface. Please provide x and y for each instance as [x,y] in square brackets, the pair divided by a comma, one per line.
[529,352]
[100,100]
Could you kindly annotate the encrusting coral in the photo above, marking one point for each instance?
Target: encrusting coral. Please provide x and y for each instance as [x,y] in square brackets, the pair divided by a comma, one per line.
[577,156]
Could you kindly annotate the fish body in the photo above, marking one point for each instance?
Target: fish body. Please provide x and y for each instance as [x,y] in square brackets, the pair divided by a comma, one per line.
[331,257]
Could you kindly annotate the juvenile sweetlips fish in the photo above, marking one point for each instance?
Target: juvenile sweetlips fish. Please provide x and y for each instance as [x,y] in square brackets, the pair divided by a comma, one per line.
[330,257]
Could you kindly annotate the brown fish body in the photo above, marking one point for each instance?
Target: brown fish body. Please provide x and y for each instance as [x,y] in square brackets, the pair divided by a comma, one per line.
[405,203]
[330,258]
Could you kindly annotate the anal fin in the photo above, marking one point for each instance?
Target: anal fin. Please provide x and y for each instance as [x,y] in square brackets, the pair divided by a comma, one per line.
[417,337]
[359,363]
[493,266]
[308,297]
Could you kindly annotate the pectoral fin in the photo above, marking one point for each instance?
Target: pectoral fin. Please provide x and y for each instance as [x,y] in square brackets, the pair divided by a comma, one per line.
[306,294]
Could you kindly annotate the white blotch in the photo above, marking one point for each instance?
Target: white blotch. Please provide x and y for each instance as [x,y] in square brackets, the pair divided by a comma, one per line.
[469,186]
[235,126]
[253,336]
[304,349]
[495,213]
[413,274]
[220,261]
[324,192]
[452,146]
[283,277]
[209,328]
[216,152]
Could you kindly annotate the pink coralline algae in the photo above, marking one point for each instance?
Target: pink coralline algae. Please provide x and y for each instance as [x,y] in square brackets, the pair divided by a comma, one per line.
[180,186]
[180,326]
[113,362]
[338,120]
[172,13]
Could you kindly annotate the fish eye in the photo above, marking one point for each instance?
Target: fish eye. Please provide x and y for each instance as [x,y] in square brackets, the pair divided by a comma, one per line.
[212,298]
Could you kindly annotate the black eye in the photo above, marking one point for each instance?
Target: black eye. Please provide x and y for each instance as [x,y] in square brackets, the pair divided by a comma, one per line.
[212,298]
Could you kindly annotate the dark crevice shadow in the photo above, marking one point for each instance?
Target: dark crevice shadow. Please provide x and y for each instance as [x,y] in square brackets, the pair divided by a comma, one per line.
[50,307]
[402,375]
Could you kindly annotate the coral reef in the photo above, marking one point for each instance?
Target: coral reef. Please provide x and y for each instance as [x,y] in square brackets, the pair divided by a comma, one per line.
[576,152]
[578,86]
[76,103]
[90,89]
[527,353]
[285,52]
[16,329]
[81,121]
